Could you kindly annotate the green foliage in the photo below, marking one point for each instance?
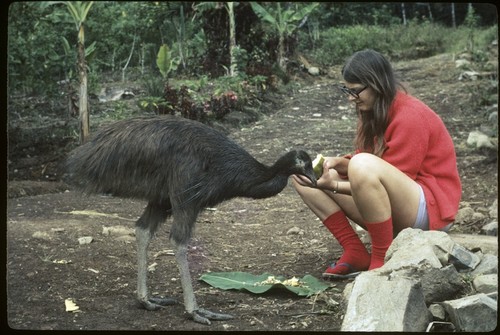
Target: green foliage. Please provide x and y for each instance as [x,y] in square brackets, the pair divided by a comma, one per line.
[336,44]
[411,42]
[42,39]
[256,84]
[153,85]
[485,94]
[471,19]
[342,14]
[78,10]
[241,60]
[284,20]
[459,41]
[153,104]
[121,110]
[196,48]
[35,51]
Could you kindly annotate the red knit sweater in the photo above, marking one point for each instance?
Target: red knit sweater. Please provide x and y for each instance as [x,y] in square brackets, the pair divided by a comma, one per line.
[418,144]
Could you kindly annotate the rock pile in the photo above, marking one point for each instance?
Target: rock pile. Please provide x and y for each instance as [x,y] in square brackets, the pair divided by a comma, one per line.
[429,282]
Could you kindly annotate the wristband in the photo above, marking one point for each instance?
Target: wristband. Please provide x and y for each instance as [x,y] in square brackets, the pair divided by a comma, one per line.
[336,190]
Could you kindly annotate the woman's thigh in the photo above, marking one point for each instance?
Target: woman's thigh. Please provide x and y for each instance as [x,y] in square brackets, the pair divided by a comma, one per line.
[403,193]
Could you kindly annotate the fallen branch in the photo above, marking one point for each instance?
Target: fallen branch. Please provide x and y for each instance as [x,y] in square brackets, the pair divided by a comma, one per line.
[94,213]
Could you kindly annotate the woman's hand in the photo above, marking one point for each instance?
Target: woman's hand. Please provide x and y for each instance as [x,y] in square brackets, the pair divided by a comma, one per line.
[328,180]
[338,163]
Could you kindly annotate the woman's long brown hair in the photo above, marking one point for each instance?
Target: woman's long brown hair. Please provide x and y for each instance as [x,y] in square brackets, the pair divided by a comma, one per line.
[368,67]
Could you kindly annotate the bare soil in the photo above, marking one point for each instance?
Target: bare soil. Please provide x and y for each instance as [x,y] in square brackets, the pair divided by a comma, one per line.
[46,265]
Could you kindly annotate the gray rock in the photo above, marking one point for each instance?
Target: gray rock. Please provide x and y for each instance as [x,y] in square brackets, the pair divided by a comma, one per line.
[486,283]
[421,269]
[379,304]
[114,94]
[490,229]
[479,140]
[442,284]
[438,312]
[488,265]
[438,284]
[411,240]
[464,214]
[295,231]
[476,313]
[85,240]
[314,71]
[463,259]
[408,257]
[493,295]
[494,210]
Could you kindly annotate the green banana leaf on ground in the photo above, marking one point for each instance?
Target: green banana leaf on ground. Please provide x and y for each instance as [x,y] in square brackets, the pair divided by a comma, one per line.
[305,286]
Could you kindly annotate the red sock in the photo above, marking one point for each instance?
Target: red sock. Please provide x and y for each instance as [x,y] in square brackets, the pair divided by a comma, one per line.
[355,253]
[381,235]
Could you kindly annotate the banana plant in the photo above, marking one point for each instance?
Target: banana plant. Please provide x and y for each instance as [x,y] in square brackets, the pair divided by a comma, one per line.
[79,11]
[283,21]
[165,62]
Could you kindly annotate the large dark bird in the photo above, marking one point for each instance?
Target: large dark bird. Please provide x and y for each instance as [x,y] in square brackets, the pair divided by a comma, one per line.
[180,167]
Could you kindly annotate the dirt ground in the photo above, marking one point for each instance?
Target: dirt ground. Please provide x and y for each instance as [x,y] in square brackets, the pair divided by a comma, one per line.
[46,265]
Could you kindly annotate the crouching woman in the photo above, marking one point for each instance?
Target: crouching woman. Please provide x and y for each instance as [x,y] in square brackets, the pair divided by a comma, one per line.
[403,172]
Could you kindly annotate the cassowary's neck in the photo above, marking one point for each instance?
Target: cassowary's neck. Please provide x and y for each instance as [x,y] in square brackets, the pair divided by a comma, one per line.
[269,180]
[268,188]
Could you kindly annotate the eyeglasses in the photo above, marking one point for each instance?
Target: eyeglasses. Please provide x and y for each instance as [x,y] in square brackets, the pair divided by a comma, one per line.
[352,92]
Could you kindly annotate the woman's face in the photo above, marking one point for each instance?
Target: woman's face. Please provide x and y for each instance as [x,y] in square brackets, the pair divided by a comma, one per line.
[362,96]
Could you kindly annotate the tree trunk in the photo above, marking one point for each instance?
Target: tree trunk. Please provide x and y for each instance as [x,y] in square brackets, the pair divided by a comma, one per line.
[181,36]
[403,13]
[454,22]
[83,102]
[233,71]
[129,58]
[281,53]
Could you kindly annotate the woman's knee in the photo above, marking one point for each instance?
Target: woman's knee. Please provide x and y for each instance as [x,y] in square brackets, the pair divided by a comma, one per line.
[363,168]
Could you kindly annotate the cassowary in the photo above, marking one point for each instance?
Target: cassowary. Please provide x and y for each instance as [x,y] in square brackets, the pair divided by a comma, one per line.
[179,167]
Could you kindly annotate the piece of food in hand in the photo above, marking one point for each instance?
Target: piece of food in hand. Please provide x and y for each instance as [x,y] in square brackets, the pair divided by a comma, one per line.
[317,164]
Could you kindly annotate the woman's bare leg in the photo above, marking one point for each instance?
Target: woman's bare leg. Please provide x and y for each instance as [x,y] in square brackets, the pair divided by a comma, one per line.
[383,199]
[380,191]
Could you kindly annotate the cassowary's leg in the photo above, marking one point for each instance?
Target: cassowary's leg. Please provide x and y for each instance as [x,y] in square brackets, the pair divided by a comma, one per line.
[180,234]
[148,223]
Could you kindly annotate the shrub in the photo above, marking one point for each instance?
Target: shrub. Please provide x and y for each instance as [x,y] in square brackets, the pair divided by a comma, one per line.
[416,40]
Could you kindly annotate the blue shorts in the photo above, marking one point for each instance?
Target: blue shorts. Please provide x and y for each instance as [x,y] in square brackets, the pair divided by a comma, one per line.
[422,221]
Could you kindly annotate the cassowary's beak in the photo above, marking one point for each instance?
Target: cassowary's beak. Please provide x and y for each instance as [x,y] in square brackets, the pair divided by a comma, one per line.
[310,175]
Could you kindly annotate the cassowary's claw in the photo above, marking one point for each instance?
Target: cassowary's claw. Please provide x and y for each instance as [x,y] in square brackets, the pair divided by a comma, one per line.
[204,316]
[156,303]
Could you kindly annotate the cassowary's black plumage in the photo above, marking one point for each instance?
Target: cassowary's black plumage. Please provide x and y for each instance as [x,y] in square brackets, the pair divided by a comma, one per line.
[180,167]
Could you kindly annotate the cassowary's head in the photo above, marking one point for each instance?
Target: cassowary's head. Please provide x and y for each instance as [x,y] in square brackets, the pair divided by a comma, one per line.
[302,165]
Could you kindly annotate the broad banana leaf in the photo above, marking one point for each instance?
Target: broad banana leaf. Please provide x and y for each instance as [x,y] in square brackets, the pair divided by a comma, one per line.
[164,60]
[305,286]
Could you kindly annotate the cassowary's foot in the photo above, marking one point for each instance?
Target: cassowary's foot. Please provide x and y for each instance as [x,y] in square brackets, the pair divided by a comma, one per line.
[156,303]
[204,316]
